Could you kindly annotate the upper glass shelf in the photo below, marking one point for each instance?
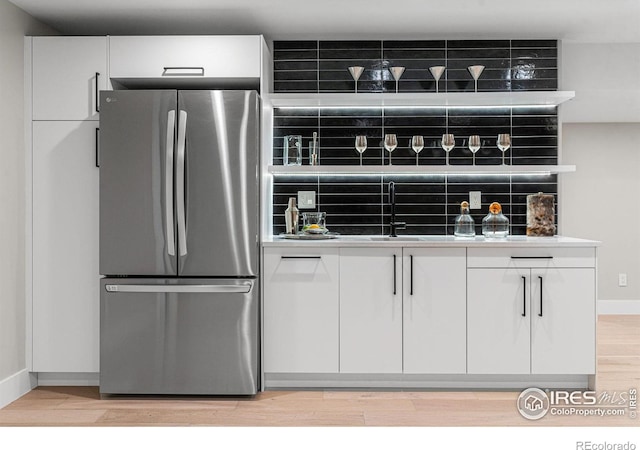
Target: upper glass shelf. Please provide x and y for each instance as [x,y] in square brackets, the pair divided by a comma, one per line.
[514,99]
[421,170]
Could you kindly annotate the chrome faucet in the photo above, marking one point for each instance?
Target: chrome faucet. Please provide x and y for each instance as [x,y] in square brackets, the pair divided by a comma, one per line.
[394,226]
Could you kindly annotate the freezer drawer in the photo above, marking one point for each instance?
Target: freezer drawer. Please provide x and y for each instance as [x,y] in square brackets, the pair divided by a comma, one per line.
[187,336]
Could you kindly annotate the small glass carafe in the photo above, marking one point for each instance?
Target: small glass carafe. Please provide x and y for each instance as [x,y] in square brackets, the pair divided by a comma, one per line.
[465,226]
[495,225]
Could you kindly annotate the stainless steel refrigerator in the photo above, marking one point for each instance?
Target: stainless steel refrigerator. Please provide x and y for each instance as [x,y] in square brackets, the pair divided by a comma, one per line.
[179,221]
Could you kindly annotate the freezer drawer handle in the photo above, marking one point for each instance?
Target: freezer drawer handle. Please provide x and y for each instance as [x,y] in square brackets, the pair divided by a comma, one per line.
[192,288]
[183,72]
[301,257]
[532,257]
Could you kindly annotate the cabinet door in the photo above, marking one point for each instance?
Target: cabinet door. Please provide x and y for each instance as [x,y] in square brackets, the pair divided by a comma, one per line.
[65,247]
[176,57]
[435,303]
[563,321]
[65,80]
[498,321]
[301,310]
[370,310]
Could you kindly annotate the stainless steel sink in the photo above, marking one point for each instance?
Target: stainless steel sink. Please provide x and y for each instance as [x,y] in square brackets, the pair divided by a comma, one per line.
[396,238]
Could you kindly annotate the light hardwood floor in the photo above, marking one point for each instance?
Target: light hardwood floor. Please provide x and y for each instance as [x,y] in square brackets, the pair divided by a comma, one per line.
[618,369]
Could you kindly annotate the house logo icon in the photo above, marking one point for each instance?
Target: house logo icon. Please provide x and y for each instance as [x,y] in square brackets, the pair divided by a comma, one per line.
[533,403]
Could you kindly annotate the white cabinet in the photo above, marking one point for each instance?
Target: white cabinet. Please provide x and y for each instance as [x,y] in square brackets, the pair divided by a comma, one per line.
[434,296]
[371,310]
[403,310]
[179,57]
[531,314]
[301,311]
[65,247]
[68,73]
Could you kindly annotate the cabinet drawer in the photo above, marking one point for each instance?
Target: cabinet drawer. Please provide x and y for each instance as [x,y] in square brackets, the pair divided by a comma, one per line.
[531,257]
[179,57]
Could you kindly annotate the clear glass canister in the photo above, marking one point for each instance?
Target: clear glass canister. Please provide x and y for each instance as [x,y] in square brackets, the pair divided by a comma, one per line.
[495,225]
[465,226]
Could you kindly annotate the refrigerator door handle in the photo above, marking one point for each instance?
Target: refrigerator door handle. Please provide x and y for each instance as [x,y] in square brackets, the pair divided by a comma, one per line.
[180,183]
[191,288]
[168,184]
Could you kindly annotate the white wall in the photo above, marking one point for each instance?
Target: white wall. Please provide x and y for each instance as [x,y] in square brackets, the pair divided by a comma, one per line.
[14,25]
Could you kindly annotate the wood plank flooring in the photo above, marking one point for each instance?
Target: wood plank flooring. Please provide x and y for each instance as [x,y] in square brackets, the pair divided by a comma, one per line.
[618,369]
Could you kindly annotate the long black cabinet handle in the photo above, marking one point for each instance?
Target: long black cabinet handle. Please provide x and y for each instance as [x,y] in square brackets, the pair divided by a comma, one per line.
[301,257]
[97,147]
[540,313]
[394,274]
[97,92]
[532,257]
[411,277]
[524,296]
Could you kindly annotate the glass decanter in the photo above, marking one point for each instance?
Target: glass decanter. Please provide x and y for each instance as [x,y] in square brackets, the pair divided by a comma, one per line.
[495,225]
[465,226]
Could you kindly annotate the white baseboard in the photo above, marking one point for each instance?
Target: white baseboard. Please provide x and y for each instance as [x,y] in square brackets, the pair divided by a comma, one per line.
[618,307]
[15,386]
[68,379]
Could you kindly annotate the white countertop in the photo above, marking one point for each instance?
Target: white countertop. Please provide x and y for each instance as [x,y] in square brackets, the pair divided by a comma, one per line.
[431,241]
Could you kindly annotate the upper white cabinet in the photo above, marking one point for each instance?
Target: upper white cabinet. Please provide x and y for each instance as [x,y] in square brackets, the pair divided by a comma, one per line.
[68,73]
[185,57]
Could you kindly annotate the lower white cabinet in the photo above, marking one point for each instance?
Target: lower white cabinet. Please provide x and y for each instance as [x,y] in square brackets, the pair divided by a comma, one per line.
[301,311]
[403,310]
[65,247]
[371,310]
[435,311]
[531,320]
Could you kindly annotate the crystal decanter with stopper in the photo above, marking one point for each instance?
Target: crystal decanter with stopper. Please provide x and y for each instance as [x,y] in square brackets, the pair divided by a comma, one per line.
[465,225]
[495,225]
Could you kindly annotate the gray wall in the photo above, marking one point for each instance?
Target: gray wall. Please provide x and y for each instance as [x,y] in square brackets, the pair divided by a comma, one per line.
[14,25]
[601,136]
[601,199]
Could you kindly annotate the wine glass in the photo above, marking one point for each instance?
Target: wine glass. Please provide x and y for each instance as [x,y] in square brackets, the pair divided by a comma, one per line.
[503,143]
[474,145]
[390,144]
[361,145]
[437,72]
[397,73]
[475,72]
[417,144]
[448,142]
[355,72]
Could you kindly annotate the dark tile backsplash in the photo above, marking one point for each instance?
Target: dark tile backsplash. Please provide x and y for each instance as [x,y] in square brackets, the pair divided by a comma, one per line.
[427,203]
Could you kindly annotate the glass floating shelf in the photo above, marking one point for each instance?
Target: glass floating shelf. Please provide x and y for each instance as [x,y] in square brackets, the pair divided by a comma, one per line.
[512,99]
[421,170]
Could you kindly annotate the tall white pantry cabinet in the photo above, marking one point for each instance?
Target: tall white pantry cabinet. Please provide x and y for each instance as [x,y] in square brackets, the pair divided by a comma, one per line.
[66,75]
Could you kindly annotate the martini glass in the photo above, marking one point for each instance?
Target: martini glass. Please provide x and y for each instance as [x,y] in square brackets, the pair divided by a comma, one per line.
[417,144]
[397,73]
[355,72]
[474,145]
[503,143]
[437,72]
[475,72]
[361,145]
[448,142]
[390,144]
